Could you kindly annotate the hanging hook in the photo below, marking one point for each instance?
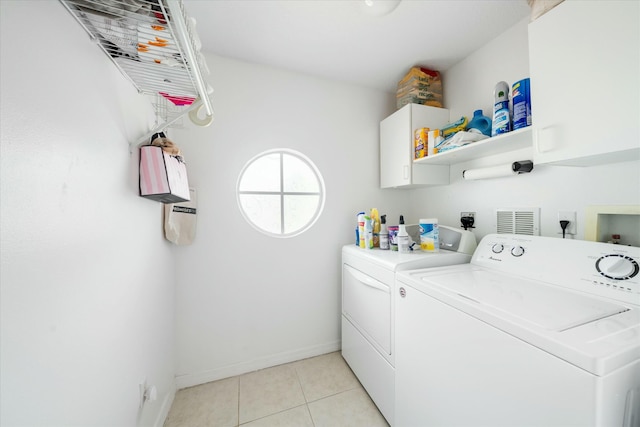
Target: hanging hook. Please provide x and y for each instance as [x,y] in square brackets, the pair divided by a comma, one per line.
[195,118]
[157,135]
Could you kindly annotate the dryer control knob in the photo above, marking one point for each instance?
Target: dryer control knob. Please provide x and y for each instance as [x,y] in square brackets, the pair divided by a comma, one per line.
[517,251]
[617,267]
[497,248]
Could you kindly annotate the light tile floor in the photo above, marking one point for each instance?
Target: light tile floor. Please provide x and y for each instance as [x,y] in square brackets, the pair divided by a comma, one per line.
[316,392]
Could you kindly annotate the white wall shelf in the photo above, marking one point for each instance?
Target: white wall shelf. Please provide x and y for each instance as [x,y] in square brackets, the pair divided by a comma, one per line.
[514,140]
[155,46]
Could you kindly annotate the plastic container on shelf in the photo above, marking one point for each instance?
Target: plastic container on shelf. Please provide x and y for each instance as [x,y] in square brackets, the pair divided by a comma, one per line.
[521,104]
[480,122]
[434,139]
[420,137]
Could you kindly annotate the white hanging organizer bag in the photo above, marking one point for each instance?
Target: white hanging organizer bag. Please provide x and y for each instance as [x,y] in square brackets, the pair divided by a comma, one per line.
[180,220]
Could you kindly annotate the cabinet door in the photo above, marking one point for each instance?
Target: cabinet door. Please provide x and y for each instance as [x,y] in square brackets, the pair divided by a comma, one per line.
[397,147]
[585,63]
[395,151]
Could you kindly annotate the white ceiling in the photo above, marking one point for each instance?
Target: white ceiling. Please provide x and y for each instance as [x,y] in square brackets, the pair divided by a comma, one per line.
[338,39]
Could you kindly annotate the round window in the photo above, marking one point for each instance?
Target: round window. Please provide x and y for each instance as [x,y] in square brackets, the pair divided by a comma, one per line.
[280,193]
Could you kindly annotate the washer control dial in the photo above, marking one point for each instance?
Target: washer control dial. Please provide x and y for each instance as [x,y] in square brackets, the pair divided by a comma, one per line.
[517,251]
[497,248]
[617,267]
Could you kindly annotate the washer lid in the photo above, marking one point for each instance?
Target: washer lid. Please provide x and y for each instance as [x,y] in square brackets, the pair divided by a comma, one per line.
[545,306]
[596,334]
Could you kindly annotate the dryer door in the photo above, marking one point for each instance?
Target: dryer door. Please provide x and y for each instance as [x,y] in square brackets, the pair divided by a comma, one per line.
[366,302]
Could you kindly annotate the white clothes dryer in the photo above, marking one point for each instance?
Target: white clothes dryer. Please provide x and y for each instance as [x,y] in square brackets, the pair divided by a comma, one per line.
[535,331]
[368,278]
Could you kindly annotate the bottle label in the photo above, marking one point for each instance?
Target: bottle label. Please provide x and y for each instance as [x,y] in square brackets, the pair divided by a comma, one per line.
[403,243]
[393,240]
[368,240]
[384,241]
[501,119]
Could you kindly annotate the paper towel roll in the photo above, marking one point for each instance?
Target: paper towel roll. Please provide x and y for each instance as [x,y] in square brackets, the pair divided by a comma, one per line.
[492,172]
[515,168]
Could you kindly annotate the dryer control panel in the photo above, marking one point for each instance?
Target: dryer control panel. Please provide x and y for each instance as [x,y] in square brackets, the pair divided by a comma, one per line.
[604,269]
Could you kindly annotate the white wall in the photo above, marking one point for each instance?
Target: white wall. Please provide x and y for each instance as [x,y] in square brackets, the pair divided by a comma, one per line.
[87,281]
[246,300]
[469,86]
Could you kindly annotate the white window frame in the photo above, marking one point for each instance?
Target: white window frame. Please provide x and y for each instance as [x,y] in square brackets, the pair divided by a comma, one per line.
[320,193]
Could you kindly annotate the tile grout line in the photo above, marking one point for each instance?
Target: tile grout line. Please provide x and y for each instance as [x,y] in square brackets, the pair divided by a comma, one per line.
[239,400]
[306,402]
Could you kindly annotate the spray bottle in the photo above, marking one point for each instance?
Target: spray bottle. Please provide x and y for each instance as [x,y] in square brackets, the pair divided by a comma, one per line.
[384,233]
[368,232]
[403,237]
[501,115]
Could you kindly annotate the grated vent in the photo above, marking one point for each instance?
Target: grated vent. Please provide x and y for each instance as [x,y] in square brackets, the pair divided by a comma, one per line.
[518,221]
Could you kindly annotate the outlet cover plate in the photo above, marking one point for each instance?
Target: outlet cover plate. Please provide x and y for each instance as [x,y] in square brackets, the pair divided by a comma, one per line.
[568,216]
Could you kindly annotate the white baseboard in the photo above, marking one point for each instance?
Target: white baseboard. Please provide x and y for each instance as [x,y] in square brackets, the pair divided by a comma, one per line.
[166,407]
[189,380]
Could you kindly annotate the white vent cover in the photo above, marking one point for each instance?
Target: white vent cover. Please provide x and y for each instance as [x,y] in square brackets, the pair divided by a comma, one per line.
[518,221]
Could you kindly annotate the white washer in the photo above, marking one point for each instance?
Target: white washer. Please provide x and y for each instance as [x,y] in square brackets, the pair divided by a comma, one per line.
[534,331]
[368,278]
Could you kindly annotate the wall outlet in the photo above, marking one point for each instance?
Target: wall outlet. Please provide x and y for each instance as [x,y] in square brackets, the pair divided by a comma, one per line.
[467,219]
[142,386]
[568,216]
[148,393]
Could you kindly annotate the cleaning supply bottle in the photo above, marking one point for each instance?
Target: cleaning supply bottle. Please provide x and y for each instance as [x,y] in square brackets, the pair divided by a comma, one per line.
[361,229]
[384,233]
[521,94]
[375,223]
[501,116]
[480,122]
[403,237]
[434,140]
[368,233]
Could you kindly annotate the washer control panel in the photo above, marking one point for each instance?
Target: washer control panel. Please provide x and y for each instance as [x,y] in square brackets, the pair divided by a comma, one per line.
[617,266]
[604,269]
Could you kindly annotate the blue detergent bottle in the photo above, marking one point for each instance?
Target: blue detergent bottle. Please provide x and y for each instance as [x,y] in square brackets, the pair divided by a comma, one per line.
[481,123]
[501,115]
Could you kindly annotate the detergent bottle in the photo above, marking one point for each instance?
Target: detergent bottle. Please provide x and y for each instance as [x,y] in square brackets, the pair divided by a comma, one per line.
[481,123]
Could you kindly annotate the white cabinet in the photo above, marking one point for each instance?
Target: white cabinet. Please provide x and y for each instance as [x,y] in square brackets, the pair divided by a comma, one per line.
[397,147]
[585,68]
